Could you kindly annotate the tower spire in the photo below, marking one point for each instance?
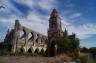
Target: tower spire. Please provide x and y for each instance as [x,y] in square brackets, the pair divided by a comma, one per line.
[55,20]
[54,13]
[17,25]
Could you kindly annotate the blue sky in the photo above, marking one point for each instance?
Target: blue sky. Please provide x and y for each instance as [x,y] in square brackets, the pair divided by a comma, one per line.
[78,16]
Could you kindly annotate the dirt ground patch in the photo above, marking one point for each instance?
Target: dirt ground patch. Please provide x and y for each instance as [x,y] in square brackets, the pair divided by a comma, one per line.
[27,59]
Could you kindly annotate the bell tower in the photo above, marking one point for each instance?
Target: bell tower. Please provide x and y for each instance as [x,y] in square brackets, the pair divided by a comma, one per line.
[55,31]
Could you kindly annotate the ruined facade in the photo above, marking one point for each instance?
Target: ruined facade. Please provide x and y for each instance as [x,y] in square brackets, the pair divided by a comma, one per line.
[55,31]
[22,39]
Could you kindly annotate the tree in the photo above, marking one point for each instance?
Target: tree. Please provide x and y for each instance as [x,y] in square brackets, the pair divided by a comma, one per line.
[92,50]
[84,49]
[62,43]
[68,44]
[74,45]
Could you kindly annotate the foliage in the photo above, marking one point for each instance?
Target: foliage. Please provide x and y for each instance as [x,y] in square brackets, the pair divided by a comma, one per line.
[4,53]
[84,49]
[23,54]
[83,59]
[68,44]
[91,50]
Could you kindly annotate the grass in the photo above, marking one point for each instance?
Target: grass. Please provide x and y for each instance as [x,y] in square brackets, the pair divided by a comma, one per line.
[20,54]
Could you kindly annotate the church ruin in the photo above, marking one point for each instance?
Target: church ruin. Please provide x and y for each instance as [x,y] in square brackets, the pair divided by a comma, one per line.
[22,39]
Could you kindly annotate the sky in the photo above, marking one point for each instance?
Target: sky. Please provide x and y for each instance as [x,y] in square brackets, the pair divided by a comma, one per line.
[77,16]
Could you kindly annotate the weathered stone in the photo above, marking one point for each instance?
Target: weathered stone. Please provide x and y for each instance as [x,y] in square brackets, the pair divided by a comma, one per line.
[25,43]
[54,32]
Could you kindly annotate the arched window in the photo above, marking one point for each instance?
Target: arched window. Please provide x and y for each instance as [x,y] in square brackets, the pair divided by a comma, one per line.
[21,35]
[30,36]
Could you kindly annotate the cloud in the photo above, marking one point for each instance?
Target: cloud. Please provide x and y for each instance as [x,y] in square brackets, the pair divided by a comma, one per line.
[47,4]
[64,22]
[82,31]
[87,44]
[67,12]
[75,15]
[34,20]
[38,21]
[9,9]
[29,3]
[2,36]
[41,4]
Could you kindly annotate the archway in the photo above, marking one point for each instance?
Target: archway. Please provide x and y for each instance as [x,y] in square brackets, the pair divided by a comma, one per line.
[42,51]
[29,50]
[22,49]
[37,50]
[53,50]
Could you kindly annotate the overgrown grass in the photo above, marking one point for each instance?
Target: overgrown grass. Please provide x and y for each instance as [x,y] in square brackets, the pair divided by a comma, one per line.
[24,54]
[20,54]
[3,53]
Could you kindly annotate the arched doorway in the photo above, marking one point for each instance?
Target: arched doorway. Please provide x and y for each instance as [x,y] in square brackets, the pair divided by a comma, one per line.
[53,49]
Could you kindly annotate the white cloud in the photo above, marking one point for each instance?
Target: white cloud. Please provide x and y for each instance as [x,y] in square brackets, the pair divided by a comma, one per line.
[39,22]
[29,3]
[2,36]
[83,31]
[36,22]
[64,23]
[75,15]
[42,4]
[9,8]
[84,36]
[67,12]
[47,4]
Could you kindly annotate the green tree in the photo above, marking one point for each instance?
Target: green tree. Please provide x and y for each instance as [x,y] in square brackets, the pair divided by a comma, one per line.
[74,45]
[62,43]
[84,49]
[68,44]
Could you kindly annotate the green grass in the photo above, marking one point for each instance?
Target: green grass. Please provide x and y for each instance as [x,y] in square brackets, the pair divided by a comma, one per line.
[19,54]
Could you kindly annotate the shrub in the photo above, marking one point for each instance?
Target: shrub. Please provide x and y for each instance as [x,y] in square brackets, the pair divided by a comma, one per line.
[4,53]
[68,44]
[83,59]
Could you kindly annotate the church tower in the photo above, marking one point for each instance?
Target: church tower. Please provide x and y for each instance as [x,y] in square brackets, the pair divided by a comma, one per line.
[55,31]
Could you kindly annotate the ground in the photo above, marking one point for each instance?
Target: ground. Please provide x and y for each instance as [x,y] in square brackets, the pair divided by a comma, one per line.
[29,59]
[26,59]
